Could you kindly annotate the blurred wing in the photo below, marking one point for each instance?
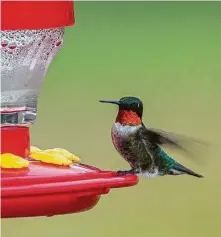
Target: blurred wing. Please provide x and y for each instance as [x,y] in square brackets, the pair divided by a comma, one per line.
[172,140]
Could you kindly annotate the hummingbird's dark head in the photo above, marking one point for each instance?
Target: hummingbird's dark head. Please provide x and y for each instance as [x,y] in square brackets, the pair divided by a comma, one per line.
[131,104]
[130,110]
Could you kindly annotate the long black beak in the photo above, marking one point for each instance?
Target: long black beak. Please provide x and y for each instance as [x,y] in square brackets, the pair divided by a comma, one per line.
[110,101]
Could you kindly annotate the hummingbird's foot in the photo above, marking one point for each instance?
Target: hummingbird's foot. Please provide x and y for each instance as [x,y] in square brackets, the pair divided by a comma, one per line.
[125,172]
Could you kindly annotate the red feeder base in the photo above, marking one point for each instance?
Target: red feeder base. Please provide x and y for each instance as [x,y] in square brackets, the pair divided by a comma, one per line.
[47,190]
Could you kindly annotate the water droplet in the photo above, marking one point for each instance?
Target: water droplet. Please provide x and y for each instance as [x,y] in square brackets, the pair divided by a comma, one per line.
[58,43]
[12,46]
[4,43]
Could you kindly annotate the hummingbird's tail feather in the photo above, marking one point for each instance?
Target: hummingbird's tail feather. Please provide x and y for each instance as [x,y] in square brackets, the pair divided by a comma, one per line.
[180,169]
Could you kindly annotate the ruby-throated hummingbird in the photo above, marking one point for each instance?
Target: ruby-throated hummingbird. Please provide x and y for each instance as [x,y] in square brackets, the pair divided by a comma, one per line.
[140,146]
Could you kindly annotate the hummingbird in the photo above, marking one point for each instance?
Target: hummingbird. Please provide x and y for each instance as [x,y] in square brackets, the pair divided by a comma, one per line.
[140,146]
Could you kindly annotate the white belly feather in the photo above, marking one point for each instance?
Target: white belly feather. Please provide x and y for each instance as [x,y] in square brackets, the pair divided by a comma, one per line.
[119,132]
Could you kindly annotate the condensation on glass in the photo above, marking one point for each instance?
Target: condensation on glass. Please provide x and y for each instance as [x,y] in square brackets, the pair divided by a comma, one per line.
[25,58]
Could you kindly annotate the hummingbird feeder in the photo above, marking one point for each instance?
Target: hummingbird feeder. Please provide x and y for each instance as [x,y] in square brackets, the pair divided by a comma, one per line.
[36,182]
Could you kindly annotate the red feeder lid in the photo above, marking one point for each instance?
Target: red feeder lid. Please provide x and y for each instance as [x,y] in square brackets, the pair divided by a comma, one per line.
[18,15]
[47,190]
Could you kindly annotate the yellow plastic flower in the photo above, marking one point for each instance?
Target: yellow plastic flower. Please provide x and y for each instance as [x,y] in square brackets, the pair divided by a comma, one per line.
[10,161]
[57,156]
[56,159]
[63,152]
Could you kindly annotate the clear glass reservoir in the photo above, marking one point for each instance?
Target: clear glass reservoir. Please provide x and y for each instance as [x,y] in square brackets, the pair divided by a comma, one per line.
[25,58]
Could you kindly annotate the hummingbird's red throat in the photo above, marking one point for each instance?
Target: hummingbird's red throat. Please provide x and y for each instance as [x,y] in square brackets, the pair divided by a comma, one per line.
[128,117]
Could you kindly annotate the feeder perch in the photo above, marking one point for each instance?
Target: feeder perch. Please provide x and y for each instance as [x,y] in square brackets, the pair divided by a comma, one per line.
[39,183]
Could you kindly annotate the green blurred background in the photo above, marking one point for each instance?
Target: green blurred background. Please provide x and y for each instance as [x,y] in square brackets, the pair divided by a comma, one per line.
[169,55]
